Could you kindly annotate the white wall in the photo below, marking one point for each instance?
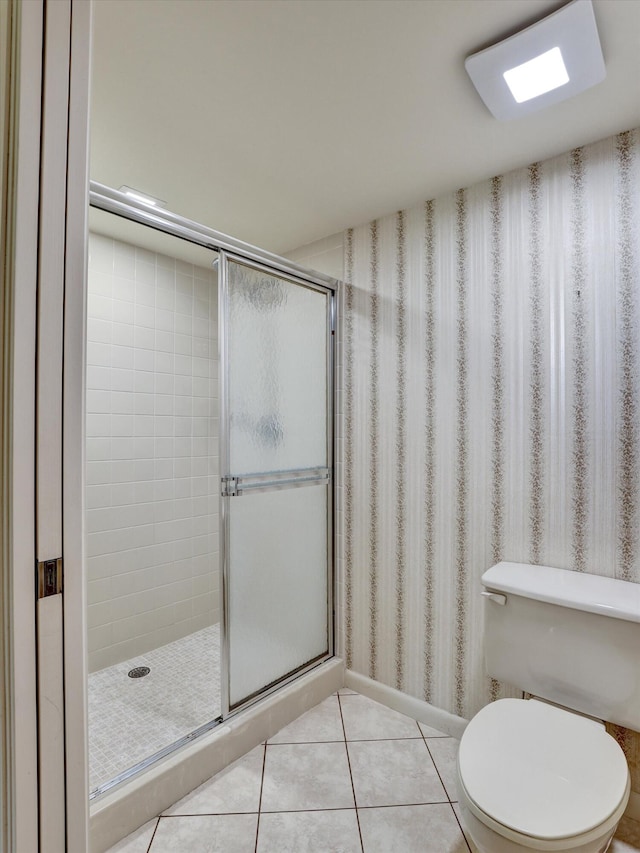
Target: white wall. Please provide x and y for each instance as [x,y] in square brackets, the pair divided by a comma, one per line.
[325,256]
[152,466]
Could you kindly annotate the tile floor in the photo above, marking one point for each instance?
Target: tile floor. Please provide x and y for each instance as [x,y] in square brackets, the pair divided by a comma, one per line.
[131,719]
[349,776]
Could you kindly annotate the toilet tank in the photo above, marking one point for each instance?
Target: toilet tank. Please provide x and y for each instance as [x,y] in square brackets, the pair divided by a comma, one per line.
[569,637]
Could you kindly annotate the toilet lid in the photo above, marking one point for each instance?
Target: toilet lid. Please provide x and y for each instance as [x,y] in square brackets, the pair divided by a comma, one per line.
[540,770]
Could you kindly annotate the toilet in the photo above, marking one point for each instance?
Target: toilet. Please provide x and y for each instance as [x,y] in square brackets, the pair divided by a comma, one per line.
[543,773]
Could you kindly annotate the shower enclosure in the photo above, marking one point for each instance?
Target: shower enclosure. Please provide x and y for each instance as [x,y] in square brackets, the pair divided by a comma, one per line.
[209,480]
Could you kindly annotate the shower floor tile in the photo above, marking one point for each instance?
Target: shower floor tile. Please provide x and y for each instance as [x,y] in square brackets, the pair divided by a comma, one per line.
[130,719]
[288,820]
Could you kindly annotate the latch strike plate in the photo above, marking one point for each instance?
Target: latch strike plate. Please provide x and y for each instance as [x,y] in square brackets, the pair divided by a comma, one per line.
[49,577]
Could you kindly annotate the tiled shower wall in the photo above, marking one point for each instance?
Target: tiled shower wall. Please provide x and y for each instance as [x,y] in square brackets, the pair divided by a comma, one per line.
[491,411]
[152,466]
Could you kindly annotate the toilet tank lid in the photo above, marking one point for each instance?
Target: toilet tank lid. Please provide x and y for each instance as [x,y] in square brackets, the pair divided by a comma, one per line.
[577,590]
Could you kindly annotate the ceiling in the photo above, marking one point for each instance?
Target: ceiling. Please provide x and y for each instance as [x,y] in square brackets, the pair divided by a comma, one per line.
[283,121]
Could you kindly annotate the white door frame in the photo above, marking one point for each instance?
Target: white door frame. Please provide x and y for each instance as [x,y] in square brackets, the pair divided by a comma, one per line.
[44,209]
[21,222]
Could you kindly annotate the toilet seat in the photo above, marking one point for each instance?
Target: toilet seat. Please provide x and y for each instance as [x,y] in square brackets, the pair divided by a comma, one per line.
[526,770]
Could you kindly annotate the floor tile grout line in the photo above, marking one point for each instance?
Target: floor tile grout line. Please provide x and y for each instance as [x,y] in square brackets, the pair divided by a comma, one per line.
[437,771]
[264,762]
[153,834]
[461,829]
[446,792]
[352,740]
[346,749]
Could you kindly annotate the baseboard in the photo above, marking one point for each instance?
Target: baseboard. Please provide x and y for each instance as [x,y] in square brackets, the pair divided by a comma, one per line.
[117,814]
[409,705]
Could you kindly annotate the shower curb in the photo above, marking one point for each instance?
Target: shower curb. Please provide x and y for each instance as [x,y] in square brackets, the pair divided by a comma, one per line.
[123,810]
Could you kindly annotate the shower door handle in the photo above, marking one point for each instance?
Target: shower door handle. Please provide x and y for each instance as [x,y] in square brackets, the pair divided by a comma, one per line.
[236,486]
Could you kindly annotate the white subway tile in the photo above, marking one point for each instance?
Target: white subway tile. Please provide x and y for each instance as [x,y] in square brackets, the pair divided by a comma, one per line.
[144,317]
[100,254]
[164,362]
[122,471]
[182,467]
[98,378]
[200,386]
[164,404]
[201,327]
[123,312]
[164,383]
[98,449]
[143,469]
[145,491]
[145,294]
[122,448]
[163,469]
[143,448]
[121,379]
[145,256]
[143,338]
[122,494]
[98,402]
[124,260]
[165,278]
[165,301]
[99,284]
[164,320]
[98,354]
[97,496]
[144,359]
[143,424]
[145,273]
[164,425]
[123,334]
[122,356]
[163,341]
[182,487]
[143,405]
[123,290]
[99,307]
[98,425]
[201,348]
[183,324]
[99,331]
[164,447]
[163,489]
[121,402]
[144,381]
[183,426]
[122,425]
[98,637]
[166,262]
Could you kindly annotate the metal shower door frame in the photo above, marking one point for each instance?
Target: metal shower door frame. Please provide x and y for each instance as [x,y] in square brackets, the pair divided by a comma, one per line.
[230,249]
[289,479]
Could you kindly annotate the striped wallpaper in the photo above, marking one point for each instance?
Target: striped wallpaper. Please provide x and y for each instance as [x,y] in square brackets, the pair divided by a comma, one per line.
[491,407]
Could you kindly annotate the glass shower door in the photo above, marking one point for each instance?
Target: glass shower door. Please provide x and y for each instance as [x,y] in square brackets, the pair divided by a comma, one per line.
[276,487]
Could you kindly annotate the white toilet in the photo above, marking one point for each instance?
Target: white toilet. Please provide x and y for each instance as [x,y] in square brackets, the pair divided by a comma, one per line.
[543,773]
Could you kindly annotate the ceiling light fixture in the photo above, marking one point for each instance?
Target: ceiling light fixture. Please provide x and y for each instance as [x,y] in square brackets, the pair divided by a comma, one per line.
[136,195]
[552,60]
[537,76]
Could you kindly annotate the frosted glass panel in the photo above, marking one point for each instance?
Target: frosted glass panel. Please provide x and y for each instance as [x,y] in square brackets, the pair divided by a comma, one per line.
[277,356]
[277,586]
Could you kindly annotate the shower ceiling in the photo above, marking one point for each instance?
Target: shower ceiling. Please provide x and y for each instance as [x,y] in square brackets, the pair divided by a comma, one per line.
[283,121]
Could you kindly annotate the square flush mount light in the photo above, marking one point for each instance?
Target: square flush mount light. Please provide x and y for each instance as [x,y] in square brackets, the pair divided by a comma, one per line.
[136,195]
[554,59]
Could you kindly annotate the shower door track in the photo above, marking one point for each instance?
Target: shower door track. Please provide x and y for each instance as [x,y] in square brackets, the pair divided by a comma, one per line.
[113,201]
